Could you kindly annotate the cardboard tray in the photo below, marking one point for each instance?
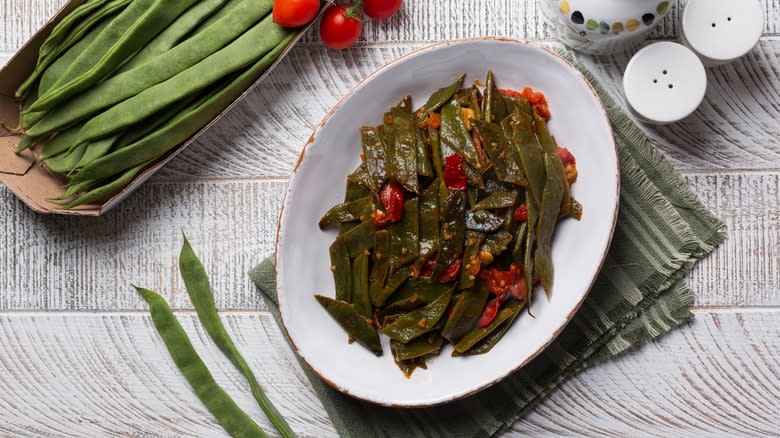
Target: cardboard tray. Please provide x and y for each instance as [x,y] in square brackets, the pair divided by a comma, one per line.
[29,179]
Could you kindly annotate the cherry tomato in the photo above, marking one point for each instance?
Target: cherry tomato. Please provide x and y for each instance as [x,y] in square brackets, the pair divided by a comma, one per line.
[566,156]
[381,9]
[339,29]
[451,272]
[392,198]
[521,213]
[295,13]
[454,176]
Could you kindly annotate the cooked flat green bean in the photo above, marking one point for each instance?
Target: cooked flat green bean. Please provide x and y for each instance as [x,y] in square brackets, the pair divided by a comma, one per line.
[341,266]
[352,322]
[497,147]
[483,220]
[375,157]
[381,266]
[405,236]
[455,134]
[522,138]
[471,261]
[235,421]
[423,160]
[198,288]
[453,228]
[478,334]
[427,287]
[394,281]
[422,346]
[493,108]
[496,200]
[402,157]
[429,223]
[440,97]
[436,155]
[483,340]
[360,293]
[418,321]
[548,217]
[496,243]
[530,243]
[357,210]
[467,309]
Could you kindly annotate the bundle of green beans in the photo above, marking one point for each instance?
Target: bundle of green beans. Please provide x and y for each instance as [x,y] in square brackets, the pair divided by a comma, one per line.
[120,83]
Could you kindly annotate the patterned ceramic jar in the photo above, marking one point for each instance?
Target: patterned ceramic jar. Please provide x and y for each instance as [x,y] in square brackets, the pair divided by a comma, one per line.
[604,26]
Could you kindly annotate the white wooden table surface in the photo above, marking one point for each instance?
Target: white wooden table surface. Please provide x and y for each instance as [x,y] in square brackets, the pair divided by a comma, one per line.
[80,357]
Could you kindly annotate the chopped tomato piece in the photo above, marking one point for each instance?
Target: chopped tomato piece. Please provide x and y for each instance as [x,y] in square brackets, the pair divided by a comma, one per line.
[489,314]
[451,272]
[454,175]
[392,198]
[380,218]
[566,156]
[521,213]
[433,120]
[497,281]
[510,93]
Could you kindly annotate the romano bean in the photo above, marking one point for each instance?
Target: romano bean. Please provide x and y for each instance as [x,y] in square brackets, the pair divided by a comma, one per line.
[375,157]
[182,126]
[359,239]
[357,210]
[496,243]
[478,334]
[352,322]
[496,200]
[360,294]
[429,223]
[422,346]
[404,236]
[455,134]
[467,309]
[530,242]
[394,280]
[497,147]
[471,260]
[483,340]
[523,139]
[381,265]
[60,143]
[341,266]
[245,50]
[235,421]
[548,217]
[427,287]
[418,321]
[198,288]
[402,158]
[549,147]
[143,20]
[483,220]
[453,228]
[493,108]
[105,191]
[154,71]
[440,97]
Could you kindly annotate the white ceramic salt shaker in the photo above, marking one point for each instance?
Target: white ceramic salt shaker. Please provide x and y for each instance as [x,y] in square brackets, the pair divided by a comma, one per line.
[721,31]
[664,82]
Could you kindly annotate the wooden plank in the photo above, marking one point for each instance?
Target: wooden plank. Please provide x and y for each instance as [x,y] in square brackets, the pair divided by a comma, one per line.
[67,263]
[109,374]
[433,20]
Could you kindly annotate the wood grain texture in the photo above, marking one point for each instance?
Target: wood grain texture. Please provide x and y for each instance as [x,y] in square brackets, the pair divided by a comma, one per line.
[418,20]
[67,263]
[109,374]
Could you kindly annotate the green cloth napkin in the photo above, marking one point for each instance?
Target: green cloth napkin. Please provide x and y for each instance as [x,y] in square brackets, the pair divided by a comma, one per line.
[662,231]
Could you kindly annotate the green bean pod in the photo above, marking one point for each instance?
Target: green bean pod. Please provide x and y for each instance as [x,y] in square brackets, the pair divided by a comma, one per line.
[496,200]
[440,97]
[402,157]
[352,322]
[465,313]
[357,210]
[480,341]
[360,293]
[154,71]
[453,228]
[198,288]
[497,148]
[340,265]
[471,261]
[405,235]
[429,224]
[549,147]
[181,127]
[548,217]
[375,158]
[381,265]
[104,192]
[419,321]
[156,17]
[454,133]
[496,243]
[493,108]
[422,346]
[235,421]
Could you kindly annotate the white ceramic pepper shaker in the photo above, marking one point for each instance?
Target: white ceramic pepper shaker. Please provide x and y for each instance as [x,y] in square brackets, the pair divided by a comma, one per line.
[721,31]
[664,82]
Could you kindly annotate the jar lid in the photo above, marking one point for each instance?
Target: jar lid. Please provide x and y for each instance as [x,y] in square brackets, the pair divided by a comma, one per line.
[722,30]
[664,82]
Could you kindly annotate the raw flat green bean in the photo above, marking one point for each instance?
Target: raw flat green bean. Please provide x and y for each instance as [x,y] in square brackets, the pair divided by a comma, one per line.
[65,34]
[471,261]
[235,421]
[198,288]
[352,322]
[394,281]
[418,321]
[465,312]
[405,236]
[25,142]
[548,217]
[360,293]
[422,346]
[454,133]
[227,9]
[497,200]
[452,204]
[154,71]
[402,157]
[381,266]
[173,34]
[357,210]
[96,149]
[375,158]
[156,17]
[494,332]
[549,147]
[62,163]
[429,224]
[73,189]
[483,220]
[440,97]
[61,142]
[497,147]
[341,267]
[104,192]
[496,243]
[245,50]
[478,334]
[181,127]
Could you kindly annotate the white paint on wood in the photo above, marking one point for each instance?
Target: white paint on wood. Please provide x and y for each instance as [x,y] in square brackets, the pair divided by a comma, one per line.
[109,374]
